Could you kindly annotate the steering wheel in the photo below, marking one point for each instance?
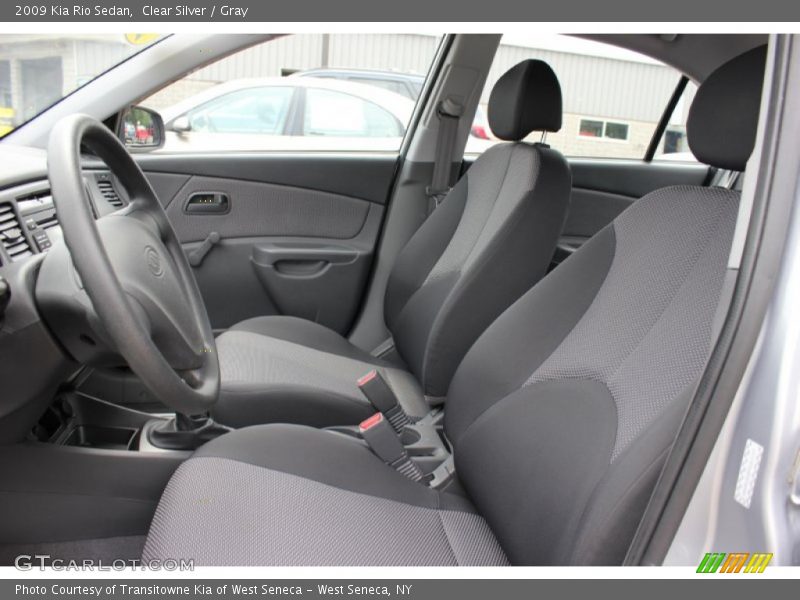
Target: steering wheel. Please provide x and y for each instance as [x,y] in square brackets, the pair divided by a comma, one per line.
[144,304]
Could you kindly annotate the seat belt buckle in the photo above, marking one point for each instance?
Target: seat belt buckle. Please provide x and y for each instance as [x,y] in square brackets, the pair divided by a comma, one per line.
[384,443]
[383,399]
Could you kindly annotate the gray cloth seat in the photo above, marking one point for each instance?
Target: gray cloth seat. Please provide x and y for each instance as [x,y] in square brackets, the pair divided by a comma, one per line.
[491,239]
[560,416]
[273,489]
[290,370]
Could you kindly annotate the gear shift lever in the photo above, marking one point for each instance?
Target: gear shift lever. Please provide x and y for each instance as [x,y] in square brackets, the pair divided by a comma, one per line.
[186,432]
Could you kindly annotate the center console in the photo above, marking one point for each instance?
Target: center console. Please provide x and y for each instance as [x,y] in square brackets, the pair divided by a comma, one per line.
[79,420]
[425,443]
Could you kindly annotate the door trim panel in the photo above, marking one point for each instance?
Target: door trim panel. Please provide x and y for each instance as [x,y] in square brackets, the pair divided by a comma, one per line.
[633,178]
[257,209]
[366,176]
[299,236]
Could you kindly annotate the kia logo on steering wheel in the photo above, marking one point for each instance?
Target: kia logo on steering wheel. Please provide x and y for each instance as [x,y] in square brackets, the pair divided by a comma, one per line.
[153,261]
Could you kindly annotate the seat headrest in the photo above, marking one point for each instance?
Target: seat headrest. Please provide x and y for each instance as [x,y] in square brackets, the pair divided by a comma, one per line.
[723,119]
[526,98]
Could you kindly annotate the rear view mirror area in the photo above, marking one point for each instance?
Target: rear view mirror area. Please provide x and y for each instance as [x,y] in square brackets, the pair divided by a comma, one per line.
[141,129]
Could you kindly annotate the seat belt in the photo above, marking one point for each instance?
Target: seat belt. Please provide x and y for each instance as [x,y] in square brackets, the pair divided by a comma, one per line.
[384,443]
[374,387]
[449,113]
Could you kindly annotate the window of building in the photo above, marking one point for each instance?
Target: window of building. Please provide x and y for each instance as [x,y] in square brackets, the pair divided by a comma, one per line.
[590,128]
[5,84]
[616,131]
[610,130]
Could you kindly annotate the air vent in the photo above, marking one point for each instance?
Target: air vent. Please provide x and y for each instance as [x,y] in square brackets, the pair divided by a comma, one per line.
[11,234]
[109,193]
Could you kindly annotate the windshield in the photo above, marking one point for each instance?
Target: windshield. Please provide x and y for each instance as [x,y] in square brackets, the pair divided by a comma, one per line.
[37,71]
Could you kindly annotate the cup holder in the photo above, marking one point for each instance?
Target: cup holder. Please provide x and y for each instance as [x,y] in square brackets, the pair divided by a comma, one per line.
[410,436]
[108,438]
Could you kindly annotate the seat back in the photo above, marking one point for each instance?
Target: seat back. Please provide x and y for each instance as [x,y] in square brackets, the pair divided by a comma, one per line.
[563,411]
[491,239]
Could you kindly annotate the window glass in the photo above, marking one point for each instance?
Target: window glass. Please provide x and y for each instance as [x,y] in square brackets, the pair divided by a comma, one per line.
[316,92]
[613,98]
[38,70]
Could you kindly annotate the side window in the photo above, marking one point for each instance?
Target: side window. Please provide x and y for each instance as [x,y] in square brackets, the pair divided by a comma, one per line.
[304,92]
[613,98]
[255,110]
[332,113]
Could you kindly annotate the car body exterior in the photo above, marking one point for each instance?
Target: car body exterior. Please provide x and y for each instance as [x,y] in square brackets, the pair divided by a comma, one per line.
[405,84]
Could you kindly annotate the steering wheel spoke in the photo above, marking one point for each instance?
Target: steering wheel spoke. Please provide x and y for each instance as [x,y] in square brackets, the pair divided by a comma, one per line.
[139,210]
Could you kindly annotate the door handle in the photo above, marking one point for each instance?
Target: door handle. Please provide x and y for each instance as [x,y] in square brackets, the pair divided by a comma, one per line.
[310,254]
[207,203]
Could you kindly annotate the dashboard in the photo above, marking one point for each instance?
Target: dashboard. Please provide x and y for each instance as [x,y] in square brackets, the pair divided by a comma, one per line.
[32,362]
[28,220]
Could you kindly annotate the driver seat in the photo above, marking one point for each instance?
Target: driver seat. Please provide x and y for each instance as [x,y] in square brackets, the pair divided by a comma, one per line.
[560,416]
[491,239]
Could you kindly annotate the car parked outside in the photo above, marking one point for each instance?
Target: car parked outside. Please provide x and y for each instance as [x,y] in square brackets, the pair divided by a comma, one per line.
[406,84]
[288,114]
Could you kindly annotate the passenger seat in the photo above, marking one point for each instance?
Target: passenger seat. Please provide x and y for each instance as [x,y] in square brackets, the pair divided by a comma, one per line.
[490,240]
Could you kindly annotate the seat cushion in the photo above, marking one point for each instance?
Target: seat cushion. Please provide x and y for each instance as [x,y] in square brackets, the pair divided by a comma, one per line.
[306,333]
[289,370]
[289,495]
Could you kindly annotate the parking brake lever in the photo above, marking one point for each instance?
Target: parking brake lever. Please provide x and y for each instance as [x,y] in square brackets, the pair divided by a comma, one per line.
[197,255]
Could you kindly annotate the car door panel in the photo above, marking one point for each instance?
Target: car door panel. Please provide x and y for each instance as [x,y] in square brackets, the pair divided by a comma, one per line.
[266,209]
[297,235]
[366,176]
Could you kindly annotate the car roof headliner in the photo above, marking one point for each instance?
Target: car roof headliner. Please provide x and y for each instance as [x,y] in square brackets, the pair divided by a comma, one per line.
[695,54]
